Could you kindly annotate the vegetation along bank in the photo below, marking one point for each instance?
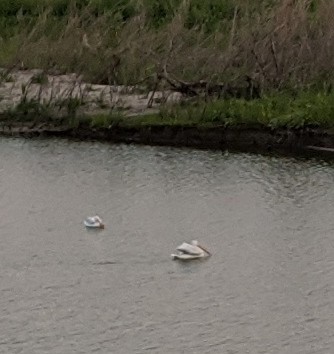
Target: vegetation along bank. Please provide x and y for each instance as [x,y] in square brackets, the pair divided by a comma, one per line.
[220,73]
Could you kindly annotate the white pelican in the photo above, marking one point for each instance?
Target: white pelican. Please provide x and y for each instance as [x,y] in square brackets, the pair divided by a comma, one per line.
[94,222]
[189,251]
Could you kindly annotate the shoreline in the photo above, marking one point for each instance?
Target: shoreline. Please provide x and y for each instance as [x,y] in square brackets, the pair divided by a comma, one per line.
[261,140]
[64,106]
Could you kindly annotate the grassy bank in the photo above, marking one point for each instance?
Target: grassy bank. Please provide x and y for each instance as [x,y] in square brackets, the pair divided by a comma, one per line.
[279,111]
[261,62]
[269,112]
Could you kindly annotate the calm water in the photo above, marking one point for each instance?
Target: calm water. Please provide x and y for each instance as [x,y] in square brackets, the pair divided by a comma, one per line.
[268,288]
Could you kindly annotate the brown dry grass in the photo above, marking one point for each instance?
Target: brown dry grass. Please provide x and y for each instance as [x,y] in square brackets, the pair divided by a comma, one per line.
[288,45]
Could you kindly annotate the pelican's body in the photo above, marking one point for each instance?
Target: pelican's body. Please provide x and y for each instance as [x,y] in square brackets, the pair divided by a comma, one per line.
[186,257]
[189,251]
[94,222]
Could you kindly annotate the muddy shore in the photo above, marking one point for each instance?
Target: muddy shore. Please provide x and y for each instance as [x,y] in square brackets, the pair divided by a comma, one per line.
[261,140]
[36,85]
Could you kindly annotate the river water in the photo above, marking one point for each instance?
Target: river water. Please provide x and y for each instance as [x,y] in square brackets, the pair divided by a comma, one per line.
[268,288]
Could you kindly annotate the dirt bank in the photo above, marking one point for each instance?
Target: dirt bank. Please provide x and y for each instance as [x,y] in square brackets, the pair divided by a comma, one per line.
[35,85]
[222,138]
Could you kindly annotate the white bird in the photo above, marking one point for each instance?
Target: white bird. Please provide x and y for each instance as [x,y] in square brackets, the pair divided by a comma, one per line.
[189,251]
[94,222]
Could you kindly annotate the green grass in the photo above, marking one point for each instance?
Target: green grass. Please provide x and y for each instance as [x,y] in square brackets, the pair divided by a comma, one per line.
[307,109]
[208,13]
[279,111]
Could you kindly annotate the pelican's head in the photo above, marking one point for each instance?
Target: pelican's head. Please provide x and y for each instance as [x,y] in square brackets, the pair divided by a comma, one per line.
[195,243]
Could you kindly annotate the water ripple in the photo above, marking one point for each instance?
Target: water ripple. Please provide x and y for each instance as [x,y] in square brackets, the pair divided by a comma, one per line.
[268,221]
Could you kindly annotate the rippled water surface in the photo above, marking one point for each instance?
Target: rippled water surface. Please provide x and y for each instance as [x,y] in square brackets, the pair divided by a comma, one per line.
[268,288]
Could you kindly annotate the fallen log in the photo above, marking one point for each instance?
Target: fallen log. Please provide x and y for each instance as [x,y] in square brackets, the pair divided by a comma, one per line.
[249,90]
